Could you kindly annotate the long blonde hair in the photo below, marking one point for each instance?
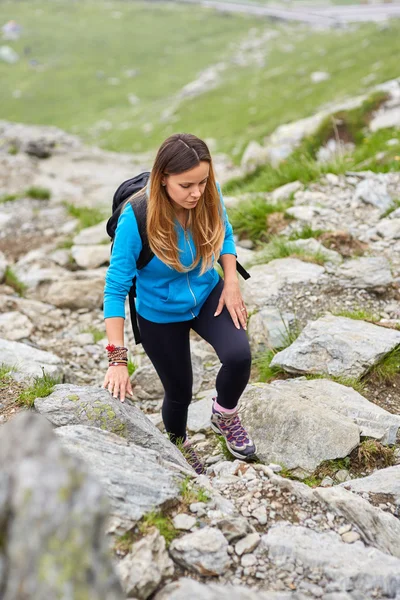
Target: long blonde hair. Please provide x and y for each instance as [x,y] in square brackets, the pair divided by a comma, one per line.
[205,220]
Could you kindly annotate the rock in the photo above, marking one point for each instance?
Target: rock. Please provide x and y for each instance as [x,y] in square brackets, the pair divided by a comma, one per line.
[374,191]
[28,362]
[76,293]
[352,567]
[389,229]
[368,272]
[342,475]
[373,421]
[267,280]
[302,213]
[186,588]
[384,481]
[244,255]
[247,544]
[286,191]
[3,266]
[126,471]
[247,244]
[204,551]
[386,118]
[8,55]
[184,522]
[86,405]
[146,565]
[15,326]
[56,498]
[337,346]
[199,415]
[314,246]
[269,328]
[254,156]
[319,76]
[350,537]
[234,528]
[91,257]
[298,434]
[147,384]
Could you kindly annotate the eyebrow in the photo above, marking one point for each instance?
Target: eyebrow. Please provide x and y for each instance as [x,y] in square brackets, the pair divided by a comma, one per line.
[184,182]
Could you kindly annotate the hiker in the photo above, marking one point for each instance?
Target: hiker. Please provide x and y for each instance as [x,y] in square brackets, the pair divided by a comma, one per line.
[179,290]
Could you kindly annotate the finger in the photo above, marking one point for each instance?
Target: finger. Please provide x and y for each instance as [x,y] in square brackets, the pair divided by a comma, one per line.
[242,318]
[122,392]
[234,318]
[105,382]
[220,306]
[116,389]
[129,389]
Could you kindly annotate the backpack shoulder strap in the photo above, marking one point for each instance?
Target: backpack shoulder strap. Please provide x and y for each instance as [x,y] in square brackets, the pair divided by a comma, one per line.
[139,207]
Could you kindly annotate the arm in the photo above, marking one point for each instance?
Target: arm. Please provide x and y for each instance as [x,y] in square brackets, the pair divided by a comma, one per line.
[231,295]
[122,269]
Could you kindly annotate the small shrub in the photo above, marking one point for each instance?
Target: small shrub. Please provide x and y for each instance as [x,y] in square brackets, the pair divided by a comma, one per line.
[96,333]
[387,368]
[162,523]
[12,280]
[38,193]
[280,247]
[8,198]
[132,366]
[41,387]
[5,371]
[371,455]
[86,216]
[265,371]
[395,205]
[305,233]
[249,217]
[358,314]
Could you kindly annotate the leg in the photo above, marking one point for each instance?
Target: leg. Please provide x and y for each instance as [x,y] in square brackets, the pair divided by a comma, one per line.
[167,345]
[231,346]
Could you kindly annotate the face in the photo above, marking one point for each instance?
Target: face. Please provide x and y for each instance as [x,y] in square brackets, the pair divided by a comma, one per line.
[186,189]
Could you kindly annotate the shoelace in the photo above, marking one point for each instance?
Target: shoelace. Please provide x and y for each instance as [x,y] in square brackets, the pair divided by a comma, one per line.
[235,429]
[193,459]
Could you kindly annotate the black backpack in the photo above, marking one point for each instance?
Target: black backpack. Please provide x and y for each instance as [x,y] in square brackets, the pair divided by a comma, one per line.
[139,207]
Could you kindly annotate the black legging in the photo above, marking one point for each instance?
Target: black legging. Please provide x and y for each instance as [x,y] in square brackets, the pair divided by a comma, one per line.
[168,347]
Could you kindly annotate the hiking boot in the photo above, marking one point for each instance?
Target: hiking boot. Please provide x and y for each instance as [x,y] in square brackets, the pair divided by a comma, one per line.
[193,459]
[237,439]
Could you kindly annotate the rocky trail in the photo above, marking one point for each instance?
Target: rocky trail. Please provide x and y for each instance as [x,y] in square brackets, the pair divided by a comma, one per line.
[317,516]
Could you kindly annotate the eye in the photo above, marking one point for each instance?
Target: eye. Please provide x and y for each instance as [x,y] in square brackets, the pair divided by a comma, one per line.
[186,187]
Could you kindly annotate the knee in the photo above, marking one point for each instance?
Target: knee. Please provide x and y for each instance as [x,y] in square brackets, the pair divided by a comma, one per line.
[238,359]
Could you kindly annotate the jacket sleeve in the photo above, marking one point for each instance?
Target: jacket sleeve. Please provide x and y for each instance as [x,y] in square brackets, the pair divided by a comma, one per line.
[122,269]
[229,246]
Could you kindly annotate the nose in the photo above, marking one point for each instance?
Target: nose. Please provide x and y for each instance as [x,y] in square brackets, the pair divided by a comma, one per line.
[196,194]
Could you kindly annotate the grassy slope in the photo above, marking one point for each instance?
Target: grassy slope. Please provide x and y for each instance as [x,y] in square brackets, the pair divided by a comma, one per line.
[81,45]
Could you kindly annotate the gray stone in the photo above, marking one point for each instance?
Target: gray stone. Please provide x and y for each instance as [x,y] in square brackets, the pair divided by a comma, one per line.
[189,589]
[204,551]
[367,272]
[127,473]
[376,527]
[54,497]
[247,544]
[199,415]
[15,326]
[91,257]
[374,191]
[372,420]
[314,246]
[267,280]
[303,213]
[146,565]
[147,384]
[28,362]
[384,481]
[351,567]
[269,328]
[253,156]
[337,346]
[86,405]
[286,191]
[350,537]
[295,431]
[385,118]
[92,235]
[76,293]
[234,528]
[389,229]
[184,522]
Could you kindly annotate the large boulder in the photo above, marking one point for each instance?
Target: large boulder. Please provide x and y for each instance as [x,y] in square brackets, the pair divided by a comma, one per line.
[337,346]
[367,272]
[28,362]
[91,257]
[53,513]
[185,589]
[136,480]
[15,326]
[384,481]
[86,405]
[295,431]
[204,551]
[75,293]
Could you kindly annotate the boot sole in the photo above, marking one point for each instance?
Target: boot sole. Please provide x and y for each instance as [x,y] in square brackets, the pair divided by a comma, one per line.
[233,452]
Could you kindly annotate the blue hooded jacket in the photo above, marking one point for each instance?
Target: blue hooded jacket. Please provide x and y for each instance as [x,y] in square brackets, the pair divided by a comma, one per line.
[164,295]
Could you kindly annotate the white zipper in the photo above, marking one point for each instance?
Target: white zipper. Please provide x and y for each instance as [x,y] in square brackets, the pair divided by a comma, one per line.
[187,274]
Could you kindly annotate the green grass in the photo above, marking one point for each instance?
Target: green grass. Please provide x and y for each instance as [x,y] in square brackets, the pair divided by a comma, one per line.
[305,233]
[132,366]
[354,382]
[388,368]
[5,371]
[12,280]
[279,247]
[65,244]
[86,216]
[71,85]
[98,334]
[162,523]
[358,314]
[8,198]
[40,388]
[38,193]
[265,371]
[190,493]
[396,204]
[249,217]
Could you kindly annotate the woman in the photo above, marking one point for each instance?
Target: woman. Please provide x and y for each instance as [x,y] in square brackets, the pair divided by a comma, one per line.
[179,290]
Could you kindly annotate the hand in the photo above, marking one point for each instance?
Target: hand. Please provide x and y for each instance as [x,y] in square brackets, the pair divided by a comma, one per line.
[231,297]
[117,380]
